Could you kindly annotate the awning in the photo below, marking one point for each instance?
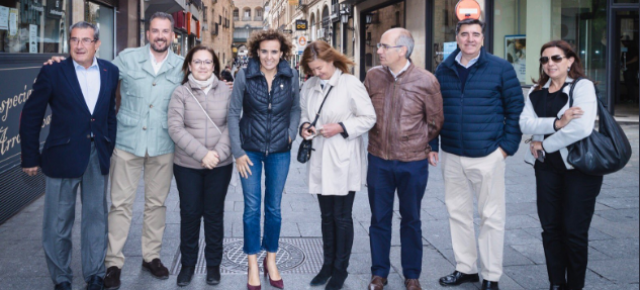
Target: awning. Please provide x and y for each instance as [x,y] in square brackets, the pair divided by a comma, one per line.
[352,2]
[167,6]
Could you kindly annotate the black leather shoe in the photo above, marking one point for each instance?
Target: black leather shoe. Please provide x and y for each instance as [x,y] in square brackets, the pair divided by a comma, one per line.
[95,283]
[185,275]
[63,286]
[337,280]
[556,287]
[323,276]
[213,275]
[156,268]
[456,278]
[489,285]
[112,278]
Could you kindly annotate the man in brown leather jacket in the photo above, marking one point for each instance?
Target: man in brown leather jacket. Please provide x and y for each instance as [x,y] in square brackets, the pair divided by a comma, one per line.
[408,108]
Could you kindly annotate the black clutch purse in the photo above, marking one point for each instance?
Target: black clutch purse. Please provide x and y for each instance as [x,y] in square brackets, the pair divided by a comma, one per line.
[306,146]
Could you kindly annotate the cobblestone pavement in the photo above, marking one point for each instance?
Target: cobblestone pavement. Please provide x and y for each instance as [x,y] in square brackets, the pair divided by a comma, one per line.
[613,253]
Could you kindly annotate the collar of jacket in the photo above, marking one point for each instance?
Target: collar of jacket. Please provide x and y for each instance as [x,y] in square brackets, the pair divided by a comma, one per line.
[145,56]
[450,62]
[569,80]
[391,78]
[253,68]
[333,81]
[194,86]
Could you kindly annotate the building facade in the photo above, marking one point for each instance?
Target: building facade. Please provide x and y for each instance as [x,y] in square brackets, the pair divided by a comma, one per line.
[248,16]
[217,30]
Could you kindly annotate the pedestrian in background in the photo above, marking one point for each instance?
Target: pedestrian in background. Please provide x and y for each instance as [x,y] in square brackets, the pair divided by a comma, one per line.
[81,92]
[566,197]
[202,162]
[266,94]
[226,74]
[482,104]
[408,110]
[337,166]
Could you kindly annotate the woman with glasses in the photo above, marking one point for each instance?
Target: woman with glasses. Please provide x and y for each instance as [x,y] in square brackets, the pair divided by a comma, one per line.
[337,167]
[566,197]
[202,161]
[266,94]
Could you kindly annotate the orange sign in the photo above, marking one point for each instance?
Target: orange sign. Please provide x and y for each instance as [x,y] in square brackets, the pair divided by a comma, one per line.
[302,41]
[466,9]
[188,18]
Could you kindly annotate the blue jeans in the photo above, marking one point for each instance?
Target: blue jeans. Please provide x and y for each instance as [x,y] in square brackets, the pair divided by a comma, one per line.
[276,169]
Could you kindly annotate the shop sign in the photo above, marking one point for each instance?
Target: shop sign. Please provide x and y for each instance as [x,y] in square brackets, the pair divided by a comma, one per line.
[294,2]
[55,10]
[301,24]
[301,44]
[16,90]
[4,18]
[468,9]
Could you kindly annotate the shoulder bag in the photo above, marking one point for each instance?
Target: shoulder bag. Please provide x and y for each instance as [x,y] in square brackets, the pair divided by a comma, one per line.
[304,152]
[606,150]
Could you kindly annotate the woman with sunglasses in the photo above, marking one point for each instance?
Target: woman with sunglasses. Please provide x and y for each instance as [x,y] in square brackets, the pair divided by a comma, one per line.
[202,165]
[566,197]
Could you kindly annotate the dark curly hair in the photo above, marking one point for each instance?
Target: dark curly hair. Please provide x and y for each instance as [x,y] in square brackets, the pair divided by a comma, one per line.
[259,36]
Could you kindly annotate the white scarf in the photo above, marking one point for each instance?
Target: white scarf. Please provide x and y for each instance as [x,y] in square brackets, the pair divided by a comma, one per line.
[204,85]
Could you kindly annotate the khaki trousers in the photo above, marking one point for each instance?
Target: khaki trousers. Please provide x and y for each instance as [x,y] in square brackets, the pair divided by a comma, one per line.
[125,176]
[483,177]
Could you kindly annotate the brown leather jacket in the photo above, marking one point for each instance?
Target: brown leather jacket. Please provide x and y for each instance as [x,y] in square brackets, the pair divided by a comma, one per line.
[408,111]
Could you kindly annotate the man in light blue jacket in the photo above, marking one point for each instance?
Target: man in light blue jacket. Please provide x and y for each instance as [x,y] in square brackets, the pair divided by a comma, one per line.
[148,76]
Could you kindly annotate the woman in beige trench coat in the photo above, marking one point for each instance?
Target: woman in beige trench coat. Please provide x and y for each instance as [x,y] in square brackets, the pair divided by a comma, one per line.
[337,168]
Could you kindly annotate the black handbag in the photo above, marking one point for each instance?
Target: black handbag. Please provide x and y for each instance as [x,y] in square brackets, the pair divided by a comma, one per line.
[606,150]
[304,152]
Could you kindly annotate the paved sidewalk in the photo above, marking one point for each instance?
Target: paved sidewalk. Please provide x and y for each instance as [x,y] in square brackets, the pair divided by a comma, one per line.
[613,264]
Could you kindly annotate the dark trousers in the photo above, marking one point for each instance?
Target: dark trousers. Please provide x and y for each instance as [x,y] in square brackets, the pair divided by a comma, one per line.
[337,229]
[384,177]
[566,202]
[202,193]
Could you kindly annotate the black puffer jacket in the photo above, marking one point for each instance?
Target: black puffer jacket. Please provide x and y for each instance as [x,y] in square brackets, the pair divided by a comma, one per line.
[269,119]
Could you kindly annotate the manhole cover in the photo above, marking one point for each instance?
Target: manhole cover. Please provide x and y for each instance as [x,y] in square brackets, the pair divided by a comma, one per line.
[295,255]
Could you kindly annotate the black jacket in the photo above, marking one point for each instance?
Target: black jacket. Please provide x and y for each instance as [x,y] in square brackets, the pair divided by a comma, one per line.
[269,118]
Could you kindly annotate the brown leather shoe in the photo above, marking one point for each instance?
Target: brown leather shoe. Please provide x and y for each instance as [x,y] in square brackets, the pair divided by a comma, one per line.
[412,284]
[377,283]
[156,269]
[112,278]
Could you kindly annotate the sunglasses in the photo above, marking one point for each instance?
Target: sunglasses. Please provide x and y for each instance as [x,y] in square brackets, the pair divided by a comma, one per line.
[556,58]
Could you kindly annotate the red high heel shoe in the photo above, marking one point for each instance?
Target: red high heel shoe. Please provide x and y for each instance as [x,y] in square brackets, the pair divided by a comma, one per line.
[249,287]
[278,284]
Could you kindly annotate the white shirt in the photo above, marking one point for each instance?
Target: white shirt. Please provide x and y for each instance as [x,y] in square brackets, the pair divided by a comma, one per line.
[471,62]
[156,65]
[395,75]
[89,79]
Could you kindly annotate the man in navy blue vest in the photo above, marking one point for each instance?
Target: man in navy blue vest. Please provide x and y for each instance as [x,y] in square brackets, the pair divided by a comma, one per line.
[81,93]
[482,100]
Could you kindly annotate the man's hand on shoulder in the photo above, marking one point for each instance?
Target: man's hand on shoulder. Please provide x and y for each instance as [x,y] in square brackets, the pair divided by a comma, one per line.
[53,59]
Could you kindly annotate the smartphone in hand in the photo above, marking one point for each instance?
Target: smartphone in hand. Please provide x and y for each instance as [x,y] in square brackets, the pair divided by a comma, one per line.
[540,156]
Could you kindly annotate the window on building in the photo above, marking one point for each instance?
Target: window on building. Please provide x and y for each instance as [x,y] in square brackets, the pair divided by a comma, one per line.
[204,14]
[258,14]
[246,16]
[35,27]
[236,14]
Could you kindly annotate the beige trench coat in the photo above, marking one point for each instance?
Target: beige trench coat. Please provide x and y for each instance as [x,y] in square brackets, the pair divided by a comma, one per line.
[338,165]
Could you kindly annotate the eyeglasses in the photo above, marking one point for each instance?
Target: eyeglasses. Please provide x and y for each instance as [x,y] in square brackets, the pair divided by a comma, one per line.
[556,58]
[203,62]
[85,41]
[386,46]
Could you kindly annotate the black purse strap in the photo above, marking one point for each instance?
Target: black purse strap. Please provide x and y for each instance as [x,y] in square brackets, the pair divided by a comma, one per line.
[321,105]
[573,85]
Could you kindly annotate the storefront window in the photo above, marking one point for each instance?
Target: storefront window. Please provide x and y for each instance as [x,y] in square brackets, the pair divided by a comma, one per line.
[176,46]
[377,22]
[102,16]
[510,39]
[33,26]
[444,30]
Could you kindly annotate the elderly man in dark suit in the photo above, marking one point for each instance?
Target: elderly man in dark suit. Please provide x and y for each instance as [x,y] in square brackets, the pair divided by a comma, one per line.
[81,94]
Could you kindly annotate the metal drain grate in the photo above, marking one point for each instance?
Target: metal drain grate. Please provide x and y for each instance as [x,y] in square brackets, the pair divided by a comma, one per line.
[295,256]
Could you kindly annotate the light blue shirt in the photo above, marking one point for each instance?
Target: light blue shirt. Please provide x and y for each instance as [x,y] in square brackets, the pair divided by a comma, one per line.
[471,62]
[89,79]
